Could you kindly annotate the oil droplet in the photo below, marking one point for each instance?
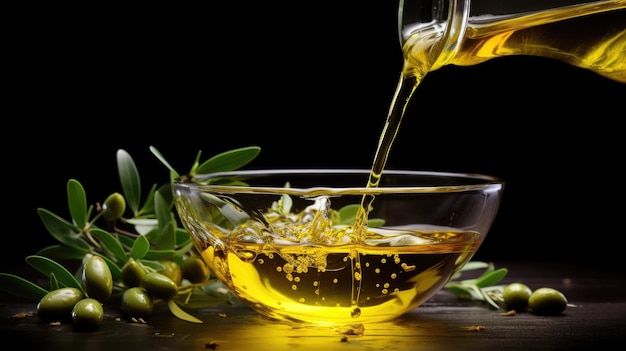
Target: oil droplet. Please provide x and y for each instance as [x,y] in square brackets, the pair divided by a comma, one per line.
[288,268]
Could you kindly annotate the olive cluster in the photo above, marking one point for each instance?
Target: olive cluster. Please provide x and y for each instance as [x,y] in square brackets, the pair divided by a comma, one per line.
[144,286]
[84,308]
[543,301]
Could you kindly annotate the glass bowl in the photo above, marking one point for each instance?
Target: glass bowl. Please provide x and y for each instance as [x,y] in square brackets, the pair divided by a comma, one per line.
[296,245]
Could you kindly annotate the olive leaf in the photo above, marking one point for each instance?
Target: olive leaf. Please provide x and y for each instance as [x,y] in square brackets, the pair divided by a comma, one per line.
[490,278]
[284,204]
[480,288]
[375,222]
[227,161]
[142,225]
[228,207]
[460,290]
[129,177]
[348,213]
[140,248]
[47,267]
[148,206]
[156,265]
[110,244]
[77,202]
[54,283]
[160,157]
[183,238]
[178,312]
[161,255]
[63,231]
[166,238]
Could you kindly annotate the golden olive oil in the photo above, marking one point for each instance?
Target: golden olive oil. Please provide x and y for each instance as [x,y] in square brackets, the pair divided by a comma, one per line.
[595,41]
[341,284]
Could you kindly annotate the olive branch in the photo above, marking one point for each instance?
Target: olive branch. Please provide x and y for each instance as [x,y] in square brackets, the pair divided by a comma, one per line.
[150,235]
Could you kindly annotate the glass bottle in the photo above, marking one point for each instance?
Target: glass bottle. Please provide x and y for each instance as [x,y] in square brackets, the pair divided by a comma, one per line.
[583,33]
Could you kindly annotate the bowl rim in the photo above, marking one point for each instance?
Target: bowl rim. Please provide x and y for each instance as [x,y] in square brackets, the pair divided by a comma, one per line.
[480,182]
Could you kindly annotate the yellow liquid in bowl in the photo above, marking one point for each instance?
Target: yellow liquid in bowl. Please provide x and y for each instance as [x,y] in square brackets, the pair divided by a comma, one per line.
[328,285]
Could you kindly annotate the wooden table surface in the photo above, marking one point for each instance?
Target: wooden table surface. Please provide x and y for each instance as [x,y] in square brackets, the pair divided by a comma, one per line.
[595,318]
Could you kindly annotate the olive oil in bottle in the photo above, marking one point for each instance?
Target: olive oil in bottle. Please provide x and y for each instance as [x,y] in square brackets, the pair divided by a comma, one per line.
[589,35]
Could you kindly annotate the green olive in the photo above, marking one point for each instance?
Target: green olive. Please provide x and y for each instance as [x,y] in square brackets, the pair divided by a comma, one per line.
[195,269]
[87,314]
[113,207]
[516,296]
[172,270]
[97,278]
[136,303]
[133,273]
[547,301]
[57,304]
[159,285]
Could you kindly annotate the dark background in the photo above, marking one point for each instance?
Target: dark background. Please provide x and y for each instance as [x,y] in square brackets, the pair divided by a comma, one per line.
[311,85]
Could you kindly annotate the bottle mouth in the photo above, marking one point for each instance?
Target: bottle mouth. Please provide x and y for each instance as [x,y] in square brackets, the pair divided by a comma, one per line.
[437,25]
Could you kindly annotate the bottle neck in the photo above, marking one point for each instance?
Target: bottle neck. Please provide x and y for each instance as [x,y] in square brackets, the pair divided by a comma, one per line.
[456,24]
[431,31]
